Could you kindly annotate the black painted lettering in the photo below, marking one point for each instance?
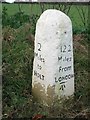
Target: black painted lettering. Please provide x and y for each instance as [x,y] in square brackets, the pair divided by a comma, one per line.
[66,77]
[39,66]
[56,79]
[61,48]
[69,48]
[63,77]
[64,50]
[62,87]
[62,82]
[69,76]
[40,57]
[59,79]
[43,60]
[59,58]
[35,54]
[35,72]
[68,68]
[39,75]
[64,69]
[39,46]
[67,59]
[72,75]
[70,58]
[42,77]
[60,68]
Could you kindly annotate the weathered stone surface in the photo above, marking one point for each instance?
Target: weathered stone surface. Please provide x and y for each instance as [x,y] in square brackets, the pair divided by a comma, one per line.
[53,56]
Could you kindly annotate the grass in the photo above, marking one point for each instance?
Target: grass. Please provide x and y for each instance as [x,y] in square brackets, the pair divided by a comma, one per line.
[17,76]
[17,59]
[35,9]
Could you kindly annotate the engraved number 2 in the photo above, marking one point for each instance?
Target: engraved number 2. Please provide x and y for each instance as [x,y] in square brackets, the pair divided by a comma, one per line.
[39,46]
[69,48]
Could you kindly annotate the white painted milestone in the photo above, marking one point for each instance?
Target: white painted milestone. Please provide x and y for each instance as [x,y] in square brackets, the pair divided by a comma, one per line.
[53,72]
[10,1]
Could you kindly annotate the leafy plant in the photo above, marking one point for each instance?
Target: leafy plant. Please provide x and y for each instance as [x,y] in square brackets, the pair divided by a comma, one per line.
[17,69]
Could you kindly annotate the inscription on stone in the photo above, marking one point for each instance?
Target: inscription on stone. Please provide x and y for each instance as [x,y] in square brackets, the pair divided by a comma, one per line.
[53,55]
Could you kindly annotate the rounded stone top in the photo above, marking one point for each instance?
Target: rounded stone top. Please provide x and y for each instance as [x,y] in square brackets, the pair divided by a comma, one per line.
[53,15]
